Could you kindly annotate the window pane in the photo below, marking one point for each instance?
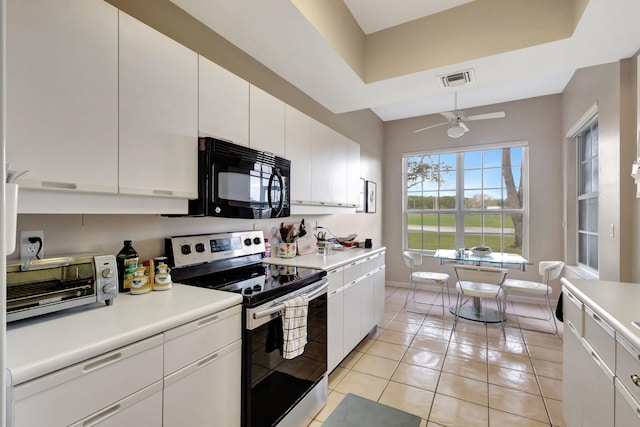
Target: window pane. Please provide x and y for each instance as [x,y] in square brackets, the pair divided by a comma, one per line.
[595,178]
[582,248]
[594,140]
[585,152]
[516,156]
[593,252]
[585,177]
[448,180]
[492,223]
[492,178]
[472,223]
[471,240]
[447,200]
[472,159]
[473,199]
[493,241]
[492,158]
[414,200]
[493,199]
[429,199]
[582,215]
[592,215]
[430,240]
[473,179]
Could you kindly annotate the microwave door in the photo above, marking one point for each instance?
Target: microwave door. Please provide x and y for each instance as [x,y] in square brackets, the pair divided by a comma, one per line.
[275,193]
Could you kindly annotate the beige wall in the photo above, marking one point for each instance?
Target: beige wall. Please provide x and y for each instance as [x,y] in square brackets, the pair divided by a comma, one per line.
[612,87]
[536,120]
[105,233]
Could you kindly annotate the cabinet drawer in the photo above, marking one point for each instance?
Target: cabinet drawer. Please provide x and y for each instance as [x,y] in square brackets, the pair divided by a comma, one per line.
[67,395]
[627,410]
[572,310]
[628,366]
[143,408]
[353,270]
[378,261]
[335,278]
[207,392]
[600,336]
[188,343]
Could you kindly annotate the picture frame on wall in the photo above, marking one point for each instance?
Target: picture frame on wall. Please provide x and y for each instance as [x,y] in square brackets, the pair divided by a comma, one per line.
[361,197]
[371,197]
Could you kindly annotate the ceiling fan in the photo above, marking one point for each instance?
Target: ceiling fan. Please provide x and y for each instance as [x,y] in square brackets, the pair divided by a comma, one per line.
[457,118]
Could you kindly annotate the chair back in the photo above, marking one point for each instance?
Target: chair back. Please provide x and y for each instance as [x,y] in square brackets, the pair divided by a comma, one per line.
[412,259]
[550,270]
[490,275]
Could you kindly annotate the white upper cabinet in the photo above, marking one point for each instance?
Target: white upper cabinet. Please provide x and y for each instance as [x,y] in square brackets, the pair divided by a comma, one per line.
[298,150]
[223,103]
[158,113]
[266,122]
[321,181]
[353,173]
[62,94]
[338,169]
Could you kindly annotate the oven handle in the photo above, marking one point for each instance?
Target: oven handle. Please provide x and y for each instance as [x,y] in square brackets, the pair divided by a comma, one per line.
[280,307]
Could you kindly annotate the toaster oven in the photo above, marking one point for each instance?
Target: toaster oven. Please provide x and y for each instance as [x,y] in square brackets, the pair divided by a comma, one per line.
[52,284]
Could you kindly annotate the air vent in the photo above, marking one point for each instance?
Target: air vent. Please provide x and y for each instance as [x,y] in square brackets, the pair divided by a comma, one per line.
[457,79]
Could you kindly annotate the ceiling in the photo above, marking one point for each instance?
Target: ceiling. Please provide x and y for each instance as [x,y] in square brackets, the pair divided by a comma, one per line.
[331,49]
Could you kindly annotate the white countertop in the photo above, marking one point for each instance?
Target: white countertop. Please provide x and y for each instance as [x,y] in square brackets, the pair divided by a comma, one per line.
[616,302]
[46,343]
[325,262]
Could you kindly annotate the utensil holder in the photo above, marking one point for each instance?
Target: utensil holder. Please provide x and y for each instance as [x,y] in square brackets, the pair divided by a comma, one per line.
[287,250]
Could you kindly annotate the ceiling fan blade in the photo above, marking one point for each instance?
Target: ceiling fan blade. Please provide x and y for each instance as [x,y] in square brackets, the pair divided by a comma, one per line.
[463,126]
[430,127]
[450,115]
[496,115]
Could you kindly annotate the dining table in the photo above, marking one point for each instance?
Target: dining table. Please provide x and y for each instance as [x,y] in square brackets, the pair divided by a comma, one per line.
[476,311]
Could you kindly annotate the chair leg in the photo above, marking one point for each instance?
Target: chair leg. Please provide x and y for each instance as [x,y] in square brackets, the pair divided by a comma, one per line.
[406,300]
[458,304]
[555,324]
[501,313]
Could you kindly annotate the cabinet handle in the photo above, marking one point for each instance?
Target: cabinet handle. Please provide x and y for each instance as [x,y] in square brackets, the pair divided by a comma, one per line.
[101,363]
[333,293]
[163,192]
[207,360]
[62,185]
[208,320]
[635,379]
[596,317]
[107,413]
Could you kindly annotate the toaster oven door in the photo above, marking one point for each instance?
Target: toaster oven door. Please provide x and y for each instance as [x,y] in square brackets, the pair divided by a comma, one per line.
[34,292]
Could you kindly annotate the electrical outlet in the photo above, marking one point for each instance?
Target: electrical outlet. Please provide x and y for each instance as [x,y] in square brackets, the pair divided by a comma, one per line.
[31,245]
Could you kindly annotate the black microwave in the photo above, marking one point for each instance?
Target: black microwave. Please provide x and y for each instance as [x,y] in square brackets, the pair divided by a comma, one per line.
[235,181]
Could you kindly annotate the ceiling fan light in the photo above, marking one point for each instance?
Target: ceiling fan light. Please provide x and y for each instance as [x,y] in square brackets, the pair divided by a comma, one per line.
[455,131]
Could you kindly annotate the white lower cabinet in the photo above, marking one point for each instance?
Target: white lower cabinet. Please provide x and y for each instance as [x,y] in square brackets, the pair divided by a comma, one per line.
[627,409]
[187,376]
[355,307]
[207,392]
[71,394]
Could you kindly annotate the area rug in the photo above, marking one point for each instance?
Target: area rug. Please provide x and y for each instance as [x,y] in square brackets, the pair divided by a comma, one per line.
[354,411]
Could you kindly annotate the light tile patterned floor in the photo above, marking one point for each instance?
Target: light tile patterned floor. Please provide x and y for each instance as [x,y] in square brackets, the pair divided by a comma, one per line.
[470,377]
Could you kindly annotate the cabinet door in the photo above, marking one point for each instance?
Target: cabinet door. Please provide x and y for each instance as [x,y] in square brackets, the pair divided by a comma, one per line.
[335,328]
[62,94]
[353,173]
[380,295]
[72,393]
[320,163]
[367,299]
[598,392]
[143,408]
[207,392]
[573,359]
[298,150]
[352,310]
[223,103]
[158,113]
[266,122]
[627,409]
[338,169]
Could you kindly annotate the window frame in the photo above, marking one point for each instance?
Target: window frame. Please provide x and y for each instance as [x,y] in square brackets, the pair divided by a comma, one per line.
[460,209]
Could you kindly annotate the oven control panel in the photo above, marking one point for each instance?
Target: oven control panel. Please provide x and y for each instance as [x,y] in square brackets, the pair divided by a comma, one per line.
[201,248]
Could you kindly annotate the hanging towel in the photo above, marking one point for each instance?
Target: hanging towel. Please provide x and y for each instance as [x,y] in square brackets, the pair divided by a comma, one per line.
[294,326]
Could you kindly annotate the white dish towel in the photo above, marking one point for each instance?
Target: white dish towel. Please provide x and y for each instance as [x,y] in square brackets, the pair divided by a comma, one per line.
[294,326]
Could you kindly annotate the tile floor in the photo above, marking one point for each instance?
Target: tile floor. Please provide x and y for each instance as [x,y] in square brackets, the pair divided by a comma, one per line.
[471,377]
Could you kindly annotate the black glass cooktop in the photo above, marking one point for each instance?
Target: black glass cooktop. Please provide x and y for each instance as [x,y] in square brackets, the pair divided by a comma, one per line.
[257,283]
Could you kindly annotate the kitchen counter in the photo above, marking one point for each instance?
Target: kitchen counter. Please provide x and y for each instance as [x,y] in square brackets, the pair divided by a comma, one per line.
[325,262]
[43,344]
[615,302]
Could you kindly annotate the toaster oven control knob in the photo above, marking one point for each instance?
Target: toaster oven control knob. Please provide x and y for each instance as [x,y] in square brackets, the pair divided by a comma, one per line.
[109,288]
[256,240]
[247,242]
[185,249]
[200,247]
[106,273]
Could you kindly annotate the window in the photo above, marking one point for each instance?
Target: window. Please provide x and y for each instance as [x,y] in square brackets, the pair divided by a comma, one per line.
[465,199]
[587,195]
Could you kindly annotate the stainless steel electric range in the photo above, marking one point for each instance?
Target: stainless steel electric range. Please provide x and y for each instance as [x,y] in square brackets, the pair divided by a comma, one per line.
[275,391]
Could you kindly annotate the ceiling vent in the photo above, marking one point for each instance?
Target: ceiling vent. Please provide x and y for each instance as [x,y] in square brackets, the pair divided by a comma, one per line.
[457,79]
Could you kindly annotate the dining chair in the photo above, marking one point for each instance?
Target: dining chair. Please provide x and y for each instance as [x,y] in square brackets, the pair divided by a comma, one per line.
[479,283]
[413,259]
[548,270]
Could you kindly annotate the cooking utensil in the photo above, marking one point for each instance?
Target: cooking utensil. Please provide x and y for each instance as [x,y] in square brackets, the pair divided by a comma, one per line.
[302,231]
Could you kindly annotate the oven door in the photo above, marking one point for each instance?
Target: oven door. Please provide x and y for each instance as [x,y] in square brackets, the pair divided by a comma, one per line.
[272,385]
